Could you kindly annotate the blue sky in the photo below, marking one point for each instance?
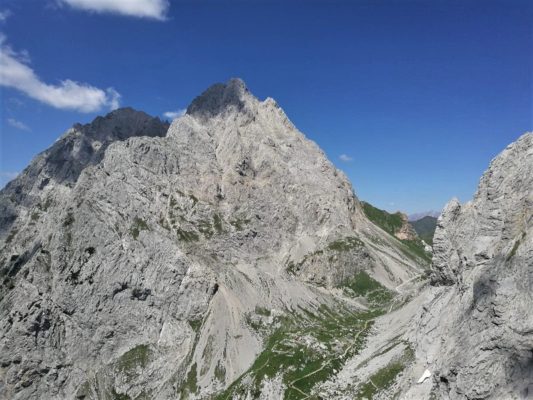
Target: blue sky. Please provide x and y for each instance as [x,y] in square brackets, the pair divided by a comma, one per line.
[418,96]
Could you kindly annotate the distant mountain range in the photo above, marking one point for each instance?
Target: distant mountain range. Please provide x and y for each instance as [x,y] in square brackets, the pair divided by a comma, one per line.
[420,215]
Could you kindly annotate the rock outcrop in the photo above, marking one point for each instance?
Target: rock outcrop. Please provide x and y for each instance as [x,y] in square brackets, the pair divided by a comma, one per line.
[406,231]
[476,334]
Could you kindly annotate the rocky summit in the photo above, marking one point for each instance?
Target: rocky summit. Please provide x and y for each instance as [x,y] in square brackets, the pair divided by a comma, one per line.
[224,257]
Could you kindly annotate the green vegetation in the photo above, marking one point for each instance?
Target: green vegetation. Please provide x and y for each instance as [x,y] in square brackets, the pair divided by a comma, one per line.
[206,229]
[217,223]
[119,396]
[364,285]
[415,248]
[346,244]
[69,220]
[139,356]
[172,202]
[381,380]
[253,323]
[305,348]
[220,372]
[187,236]
[191,383]
[340,245]
[195,324]
[143,396]
[35,216]
[390,223]
[292,268]
[207,355]
[194,199]
[138,226]
[385,377]
[163,222]
[239,223]
[11,235]
[262,311]
[425,228]
[515,246]
[44,206]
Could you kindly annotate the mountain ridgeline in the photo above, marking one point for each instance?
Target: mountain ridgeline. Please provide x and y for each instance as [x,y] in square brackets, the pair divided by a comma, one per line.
[398,226]
[224,257]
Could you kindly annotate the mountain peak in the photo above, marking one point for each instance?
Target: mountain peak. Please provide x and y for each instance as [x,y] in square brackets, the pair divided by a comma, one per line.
[219,97]
[122,123]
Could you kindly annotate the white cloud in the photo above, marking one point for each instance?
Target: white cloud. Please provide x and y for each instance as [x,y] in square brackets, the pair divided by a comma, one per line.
[174,114]
[154,9]
[114,98]
[16,73]
[17,124]
[4,15]
[8,175]
[345,158]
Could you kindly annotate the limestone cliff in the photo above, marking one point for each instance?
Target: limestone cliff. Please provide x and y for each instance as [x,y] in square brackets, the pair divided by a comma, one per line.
[138,262]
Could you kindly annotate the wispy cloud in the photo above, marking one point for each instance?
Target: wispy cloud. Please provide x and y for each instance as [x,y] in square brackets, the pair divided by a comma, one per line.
[18,124]
[8,175]
[16,73]
[153,9]
[345,158]
[4,15]
[174,114]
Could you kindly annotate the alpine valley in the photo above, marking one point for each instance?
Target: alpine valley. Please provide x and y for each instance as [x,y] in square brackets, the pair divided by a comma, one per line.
[225,257]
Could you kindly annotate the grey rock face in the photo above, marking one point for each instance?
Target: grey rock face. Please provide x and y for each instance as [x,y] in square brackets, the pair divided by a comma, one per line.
[481,325]
[133,269]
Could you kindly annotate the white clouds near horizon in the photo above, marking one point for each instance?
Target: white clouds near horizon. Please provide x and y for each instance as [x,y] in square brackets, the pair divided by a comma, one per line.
[16,73]
[345,158]
[152,9]
[174,114]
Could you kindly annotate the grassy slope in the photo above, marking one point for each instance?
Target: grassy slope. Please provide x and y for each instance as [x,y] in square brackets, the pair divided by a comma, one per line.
[307,347]
[392,223]
[425,228]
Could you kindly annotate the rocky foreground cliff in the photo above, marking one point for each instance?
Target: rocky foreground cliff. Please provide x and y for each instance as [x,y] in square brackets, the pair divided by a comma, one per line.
[226,257]
[483,278]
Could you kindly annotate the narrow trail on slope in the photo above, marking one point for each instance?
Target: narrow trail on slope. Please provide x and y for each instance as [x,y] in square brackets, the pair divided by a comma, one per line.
[406,282]
[291,384]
